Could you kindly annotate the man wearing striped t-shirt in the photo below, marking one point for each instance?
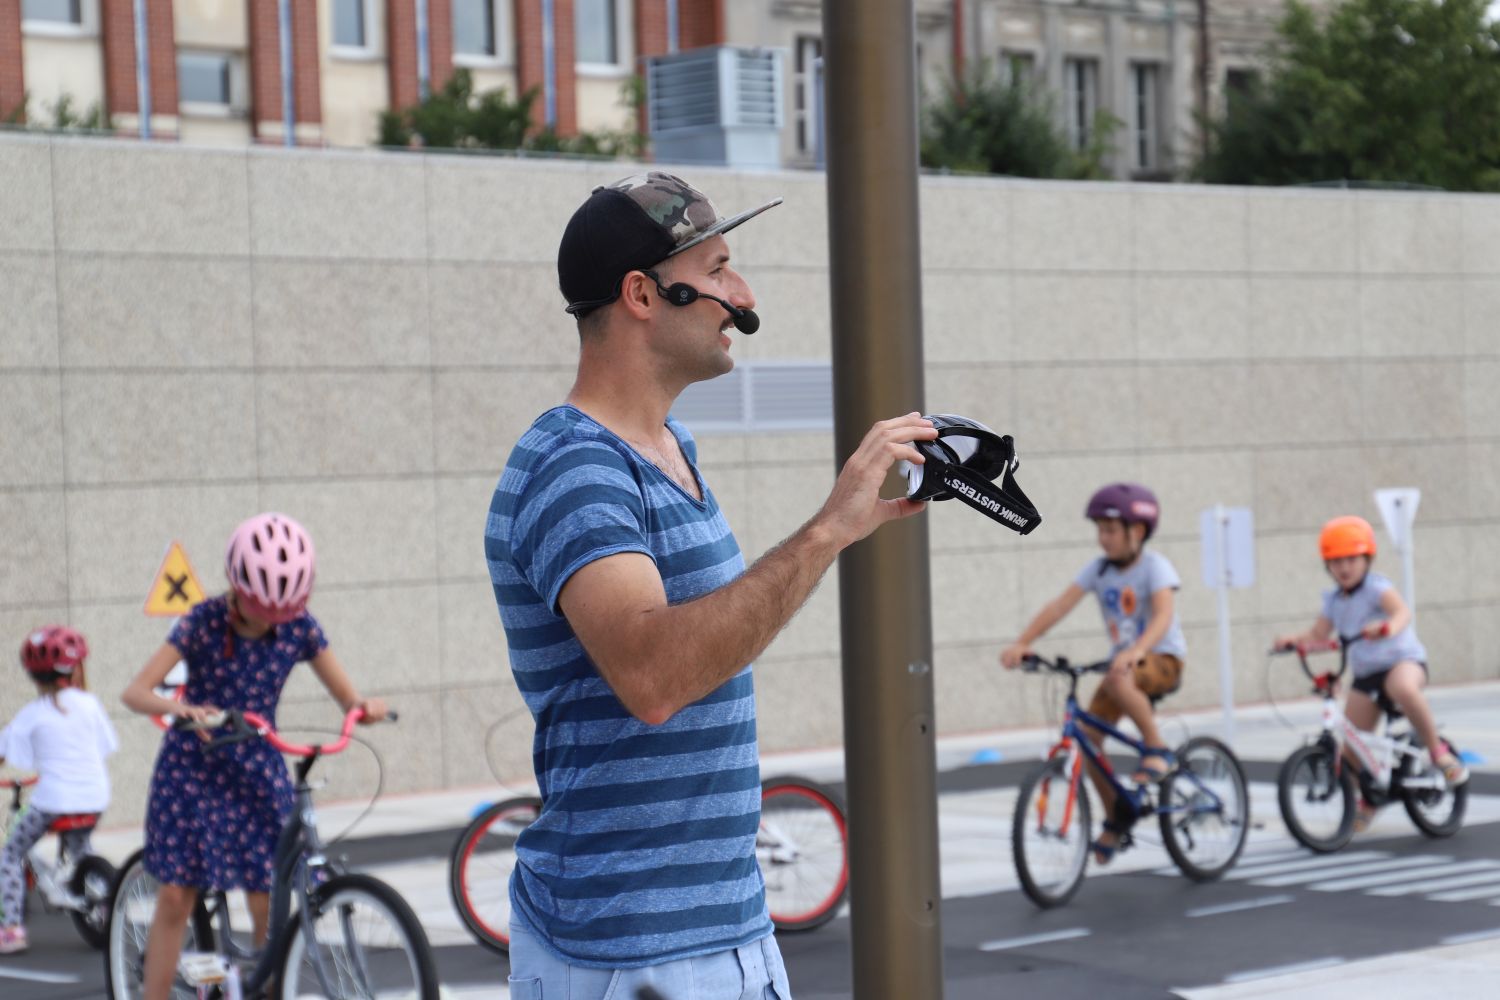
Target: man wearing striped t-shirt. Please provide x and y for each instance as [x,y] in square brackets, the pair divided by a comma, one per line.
[632,621]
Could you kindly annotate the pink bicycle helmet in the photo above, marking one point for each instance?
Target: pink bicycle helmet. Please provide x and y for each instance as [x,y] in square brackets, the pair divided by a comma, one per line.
[54,653]
[270,562]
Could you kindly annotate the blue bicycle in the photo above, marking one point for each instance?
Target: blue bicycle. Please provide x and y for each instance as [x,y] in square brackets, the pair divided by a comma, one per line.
[1202,803]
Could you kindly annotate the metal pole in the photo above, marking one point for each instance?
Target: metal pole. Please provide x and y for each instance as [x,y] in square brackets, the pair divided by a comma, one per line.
[1226,663]
[424,61]
[885,606]
[288,91]
[549,63]
[142,70]
[673,27]
[1408,559]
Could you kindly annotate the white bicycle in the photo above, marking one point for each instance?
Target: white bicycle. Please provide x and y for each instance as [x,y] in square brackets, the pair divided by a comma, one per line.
[1317,789]
[79,886]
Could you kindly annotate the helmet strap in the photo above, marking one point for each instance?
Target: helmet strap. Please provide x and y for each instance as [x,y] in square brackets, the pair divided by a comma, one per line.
[1003,502]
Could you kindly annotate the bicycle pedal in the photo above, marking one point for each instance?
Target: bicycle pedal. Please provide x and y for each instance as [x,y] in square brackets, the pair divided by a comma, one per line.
[202,968]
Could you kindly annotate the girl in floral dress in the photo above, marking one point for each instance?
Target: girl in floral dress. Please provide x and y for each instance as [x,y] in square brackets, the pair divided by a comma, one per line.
[213,819]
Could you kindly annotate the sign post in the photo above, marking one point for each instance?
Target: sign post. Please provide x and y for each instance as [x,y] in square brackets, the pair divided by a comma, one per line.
[1398,509]
[1228,540]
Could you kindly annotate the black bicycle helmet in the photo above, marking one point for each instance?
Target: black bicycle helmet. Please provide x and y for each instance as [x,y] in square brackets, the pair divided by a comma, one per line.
[964,462]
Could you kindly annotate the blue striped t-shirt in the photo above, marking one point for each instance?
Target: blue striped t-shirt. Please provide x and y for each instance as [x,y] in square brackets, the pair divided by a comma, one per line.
[644,851]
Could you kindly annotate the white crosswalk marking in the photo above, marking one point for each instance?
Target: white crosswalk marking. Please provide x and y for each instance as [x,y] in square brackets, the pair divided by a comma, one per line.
[1489,876]
[1306,861]
[1387,864]
[1370,881]
[1466,895]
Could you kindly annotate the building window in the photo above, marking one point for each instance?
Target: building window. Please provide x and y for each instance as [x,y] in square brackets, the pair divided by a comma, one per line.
[807,68]
[210,83]
[351,24]
[1017,68]
[1080,99]
[596,32]
[1146,78]
[53,11]
[475,29]
[1238,84]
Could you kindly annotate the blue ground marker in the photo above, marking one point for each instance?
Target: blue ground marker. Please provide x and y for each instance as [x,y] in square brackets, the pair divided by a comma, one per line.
[1471,757]
[987,756]
[479,809]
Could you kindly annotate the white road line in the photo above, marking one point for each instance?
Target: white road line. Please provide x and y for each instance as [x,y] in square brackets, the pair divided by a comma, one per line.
[1345,871]
[37,977]
[1489,877]
[1464,895]
[1248,858]
[1246,904]
[1304,862]
[1493,932]
[1249,975]
[1021,942]
[1370,881]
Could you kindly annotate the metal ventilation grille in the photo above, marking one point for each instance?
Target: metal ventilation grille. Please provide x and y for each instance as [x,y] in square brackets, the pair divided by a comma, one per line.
[758,105]
[685,91]
[761,396]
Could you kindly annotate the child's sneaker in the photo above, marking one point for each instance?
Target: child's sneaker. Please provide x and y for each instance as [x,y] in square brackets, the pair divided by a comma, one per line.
[12,940]
[1364,816]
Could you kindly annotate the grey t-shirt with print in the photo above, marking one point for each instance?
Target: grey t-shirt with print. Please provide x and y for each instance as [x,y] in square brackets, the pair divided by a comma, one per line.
[1353,611]
[1125,599]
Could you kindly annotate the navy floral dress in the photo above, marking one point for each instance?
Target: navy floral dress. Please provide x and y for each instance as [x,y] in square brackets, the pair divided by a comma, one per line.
[213,818]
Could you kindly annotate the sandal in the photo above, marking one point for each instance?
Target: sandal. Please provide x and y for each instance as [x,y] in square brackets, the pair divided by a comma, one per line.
[1147,773]
[1364,815]
[1454,772]
[1105,853]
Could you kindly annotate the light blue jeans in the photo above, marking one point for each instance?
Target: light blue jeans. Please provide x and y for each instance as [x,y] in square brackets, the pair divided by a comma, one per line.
[753,972]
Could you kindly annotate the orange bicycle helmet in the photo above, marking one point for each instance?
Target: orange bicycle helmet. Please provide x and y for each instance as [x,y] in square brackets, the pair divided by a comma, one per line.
[1347,536]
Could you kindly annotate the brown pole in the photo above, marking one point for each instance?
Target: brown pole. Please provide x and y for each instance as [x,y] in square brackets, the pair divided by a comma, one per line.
[885,607]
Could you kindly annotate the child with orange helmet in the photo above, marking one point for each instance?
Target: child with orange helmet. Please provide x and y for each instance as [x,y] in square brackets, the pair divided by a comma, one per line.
[213,819]
[1389,662]
[64,736]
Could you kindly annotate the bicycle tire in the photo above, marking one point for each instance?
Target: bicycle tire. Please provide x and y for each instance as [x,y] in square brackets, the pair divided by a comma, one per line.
[342,890]
[1317,762]
[93,881]
[1233,793]
[122,974]
[487,916]
[1048,893]
[803,851]
[1418,800]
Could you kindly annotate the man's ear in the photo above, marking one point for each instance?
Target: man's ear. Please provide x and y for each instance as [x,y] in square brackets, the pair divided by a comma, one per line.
[638,295]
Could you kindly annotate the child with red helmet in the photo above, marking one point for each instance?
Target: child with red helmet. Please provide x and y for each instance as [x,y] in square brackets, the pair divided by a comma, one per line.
[213,819]
[64,736]
[1390,663]
[1137,593]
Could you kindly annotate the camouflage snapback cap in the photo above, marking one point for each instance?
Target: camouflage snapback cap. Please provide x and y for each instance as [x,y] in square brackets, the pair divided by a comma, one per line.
[631,225]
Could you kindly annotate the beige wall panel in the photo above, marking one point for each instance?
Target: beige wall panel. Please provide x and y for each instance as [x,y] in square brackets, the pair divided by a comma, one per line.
[145,312]
[213,131]
[130,770]
[1304,317]
[1294,401]
[600,108]
[344,423]
[1482,398]
[499,314]
[33,530]
[1481,307]
[1484,478]
[1413,400]
[479,415]
[1070,227]
[1482,552]
[211,24]
[793,234]
[1060,486]
[976,598]
[1440,469]
[471,639]
[497,210]
[1076,409]
[986,392]
[130,198]
[146,427]
[26,195]
[814,630]
[1182,318]
[1442,560]
[1290,573]
[966,318]
[1409,234]
[487,734]
[1302,488]
[61,67]
[1196,405]
[28,301]
[387,637]
[1203,229]
[347,517]
[412,748]
[1079,317]
[1484,660]
[31,446]
[783,498]
[965,224]
[1294,232]
[117,537]
[799,703]
[463,503]
[1481,234]
[1189,482]
[1412,317]
[326,313]
[130,638]
[1442,631]
[355,92]
[355,205]
[795,315]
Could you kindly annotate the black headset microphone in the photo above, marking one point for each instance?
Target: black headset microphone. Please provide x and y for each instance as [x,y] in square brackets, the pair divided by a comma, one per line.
[682,294]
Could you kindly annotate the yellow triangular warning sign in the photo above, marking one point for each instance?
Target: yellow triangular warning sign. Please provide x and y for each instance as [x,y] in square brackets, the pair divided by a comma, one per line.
[176,587]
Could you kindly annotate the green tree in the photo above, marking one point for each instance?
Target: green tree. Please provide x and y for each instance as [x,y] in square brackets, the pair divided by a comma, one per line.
[1377,91]
[983,124]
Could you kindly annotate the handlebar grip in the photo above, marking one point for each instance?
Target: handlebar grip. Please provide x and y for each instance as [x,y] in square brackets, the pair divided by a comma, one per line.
[215,721]
[392,716]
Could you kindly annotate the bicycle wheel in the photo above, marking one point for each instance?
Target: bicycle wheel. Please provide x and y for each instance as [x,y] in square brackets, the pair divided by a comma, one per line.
[92,881]
[1049,835]
[1437,812]
[132,905]
[479,868]
[1317,800]
[802,846]
[1205,809]
[367,943]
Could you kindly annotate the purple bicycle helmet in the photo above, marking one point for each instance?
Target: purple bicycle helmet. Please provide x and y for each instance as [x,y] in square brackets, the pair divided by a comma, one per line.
[1130,503]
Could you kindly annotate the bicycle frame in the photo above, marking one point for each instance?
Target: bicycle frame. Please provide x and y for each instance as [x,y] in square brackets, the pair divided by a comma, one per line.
[50,880]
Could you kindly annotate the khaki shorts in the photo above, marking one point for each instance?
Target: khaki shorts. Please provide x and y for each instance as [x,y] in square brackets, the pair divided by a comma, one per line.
[1158,675]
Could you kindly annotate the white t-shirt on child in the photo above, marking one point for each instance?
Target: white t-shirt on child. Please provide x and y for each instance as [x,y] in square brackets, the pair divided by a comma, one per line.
[66,748]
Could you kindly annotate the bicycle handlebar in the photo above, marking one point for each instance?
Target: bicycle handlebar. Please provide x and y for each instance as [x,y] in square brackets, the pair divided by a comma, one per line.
[245,726]
[1302,649]
[1032,663]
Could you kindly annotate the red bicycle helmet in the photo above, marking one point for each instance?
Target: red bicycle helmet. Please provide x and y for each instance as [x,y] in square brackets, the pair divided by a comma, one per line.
[54,653]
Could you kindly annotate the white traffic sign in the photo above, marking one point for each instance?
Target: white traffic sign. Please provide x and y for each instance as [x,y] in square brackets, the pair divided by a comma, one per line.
[1228,538]
[1398,509]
